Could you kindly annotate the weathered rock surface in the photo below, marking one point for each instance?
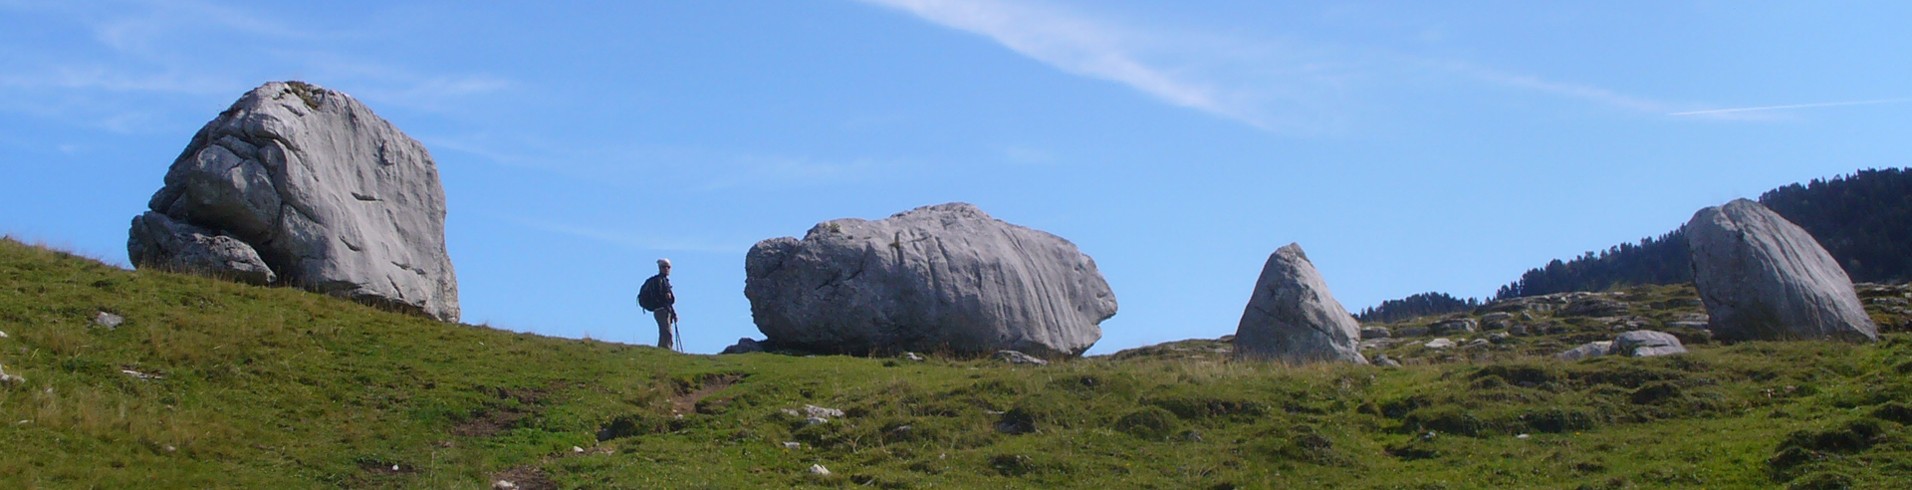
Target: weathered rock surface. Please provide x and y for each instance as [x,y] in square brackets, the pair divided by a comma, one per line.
[330,198]
[1013,357]
[159,242]
[1647,343]
[1763,278]
[744,345]
[1292,318]
[938,278]
[1587,350]
[1368,333]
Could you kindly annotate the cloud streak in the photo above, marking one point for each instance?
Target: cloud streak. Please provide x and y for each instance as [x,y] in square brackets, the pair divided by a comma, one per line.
[1787,107]
[1089,47]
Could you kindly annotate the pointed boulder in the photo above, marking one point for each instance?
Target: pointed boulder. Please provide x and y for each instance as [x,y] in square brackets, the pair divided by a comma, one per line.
[1292,318]
[1763,278]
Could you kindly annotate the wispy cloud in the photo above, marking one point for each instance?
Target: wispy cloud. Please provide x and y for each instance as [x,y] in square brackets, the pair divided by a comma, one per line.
[1589,93]
[693,169]
[1738,111]
[1084,45]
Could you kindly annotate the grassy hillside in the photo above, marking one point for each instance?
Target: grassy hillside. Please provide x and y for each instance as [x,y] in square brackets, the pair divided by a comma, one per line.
[212,384]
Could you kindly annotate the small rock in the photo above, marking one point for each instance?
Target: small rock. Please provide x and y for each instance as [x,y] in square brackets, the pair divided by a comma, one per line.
[1369,333]
[1499,337]
[3,335]
[816,412]
[1590,349]
[503,485]
[1496,317]
[792,445]
[1014,357]
[1384,361]
[140,376]
[1477,343]
[744,345]
[1192,436]
[1522,436]
[815,421]
[1647,343]
[912,356]
[1456,326]
[108,320]
[1440,343]
[819,470]
[1517,330]
[1414,332]
[576,449]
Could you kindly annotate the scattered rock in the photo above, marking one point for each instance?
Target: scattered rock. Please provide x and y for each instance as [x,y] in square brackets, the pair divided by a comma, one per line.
[1684,324]
[1499,337]
[1647,343]
[1370,333]
[306,186]
[1384,361]
[1478,343]
[503,485]
[815,421]
[1590,349]
[1517,330]
[1439,343]
[1456,326]
[1594,306]
[792,445]
[1414,332]
[744,345]
[819,470]
[1763,278]
[1014,357]
[9,379]
[3,335]
[912,357]
[140,376]
[814,412]
[938,277]
[577,450]
[108,320]
[1292,318]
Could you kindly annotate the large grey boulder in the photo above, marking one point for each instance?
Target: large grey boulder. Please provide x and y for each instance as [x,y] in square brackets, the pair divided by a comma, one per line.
[938,278]
[1763,278]
[1292,318]
[329,196]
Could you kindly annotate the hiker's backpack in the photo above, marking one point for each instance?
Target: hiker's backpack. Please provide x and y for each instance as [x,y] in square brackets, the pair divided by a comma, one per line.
[651,296]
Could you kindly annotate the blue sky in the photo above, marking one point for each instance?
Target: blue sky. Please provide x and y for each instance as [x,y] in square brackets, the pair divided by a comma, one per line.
[1408,147]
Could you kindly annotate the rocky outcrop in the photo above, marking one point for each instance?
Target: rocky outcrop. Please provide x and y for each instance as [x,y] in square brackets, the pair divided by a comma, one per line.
[1292,318]
[1647,343]
[305,186]
[937,278]
[1763,278]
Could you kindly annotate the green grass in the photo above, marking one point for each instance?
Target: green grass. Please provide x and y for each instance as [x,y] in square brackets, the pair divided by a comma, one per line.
[267,387]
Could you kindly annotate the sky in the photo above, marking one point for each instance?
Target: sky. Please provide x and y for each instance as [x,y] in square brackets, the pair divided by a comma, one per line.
[1407,146]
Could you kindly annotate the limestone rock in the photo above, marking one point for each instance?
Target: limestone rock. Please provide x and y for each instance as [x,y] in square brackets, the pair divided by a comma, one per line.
[1647,343]
[1456,326]
[159,242]
[1368,333]
[938,278]
[108,320]
[1439,343]
[744,345]
[1763,278]
[1013,357]
[1590,349]
[1292,318]
[329,196]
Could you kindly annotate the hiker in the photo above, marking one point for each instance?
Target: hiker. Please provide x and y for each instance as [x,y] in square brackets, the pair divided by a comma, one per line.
[656,297]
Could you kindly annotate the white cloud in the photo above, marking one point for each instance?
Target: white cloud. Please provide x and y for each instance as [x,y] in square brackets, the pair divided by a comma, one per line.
[1740,112]
[1266,92]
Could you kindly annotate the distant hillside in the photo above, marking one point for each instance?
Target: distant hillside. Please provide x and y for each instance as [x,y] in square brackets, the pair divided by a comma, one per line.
[211,384]
[1864,220]
[1424,304]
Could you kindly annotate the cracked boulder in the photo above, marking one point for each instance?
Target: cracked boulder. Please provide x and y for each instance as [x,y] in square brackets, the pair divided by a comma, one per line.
[1763,278]
[312,187]
[1292,318]
[944,278]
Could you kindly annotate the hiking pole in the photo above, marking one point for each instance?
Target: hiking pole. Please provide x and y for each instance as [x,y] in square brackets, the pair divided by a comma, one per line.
[676,334]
